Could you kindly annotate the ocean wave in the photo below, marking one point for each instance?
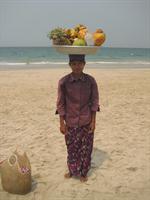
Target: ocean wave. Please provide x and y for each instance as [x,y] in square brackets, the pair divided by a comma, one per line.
[47,62]
[10,63]
[120,62]
[65,63]
[33,63]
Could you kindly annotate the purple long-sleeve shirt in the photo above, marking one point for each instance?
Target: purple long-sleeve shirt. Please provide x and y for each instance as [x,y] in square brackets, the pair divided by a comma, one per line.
[77,98]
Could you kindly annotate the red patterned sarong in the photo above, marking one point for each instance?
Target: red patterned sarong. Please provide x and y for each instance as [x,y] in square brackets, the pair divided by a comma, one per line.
[79,143]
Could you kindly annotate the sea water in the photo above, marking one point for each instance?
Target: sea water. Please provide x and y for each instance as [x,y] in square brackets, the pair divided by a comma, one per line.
[49,56]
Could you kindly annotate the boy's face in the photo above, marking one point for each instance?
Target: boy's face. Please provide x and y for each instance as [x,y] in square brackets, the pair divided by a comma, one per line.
[77,66]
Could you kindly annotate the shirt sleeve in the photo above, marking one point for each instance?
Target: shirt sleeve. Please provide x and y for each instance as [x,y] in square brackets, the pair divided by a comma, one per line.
[95,97]
[60,99]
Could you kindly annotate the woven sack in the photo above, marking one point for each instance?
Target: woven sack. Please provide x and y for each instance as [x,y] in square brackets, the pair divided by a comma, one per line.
[16,174]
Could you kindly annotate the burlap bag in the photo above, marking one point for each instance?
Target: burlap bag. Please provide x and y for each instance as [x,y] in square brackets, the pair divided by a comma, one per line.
[16,174]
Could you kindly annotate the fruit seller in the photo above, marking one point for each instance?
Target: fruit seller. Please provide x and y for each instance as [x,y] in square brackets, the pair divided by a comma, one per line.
[77,103]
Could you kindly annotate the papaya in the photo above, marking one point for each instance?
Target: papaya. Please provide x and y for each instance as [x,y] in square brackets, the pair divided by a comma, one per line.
[99,38]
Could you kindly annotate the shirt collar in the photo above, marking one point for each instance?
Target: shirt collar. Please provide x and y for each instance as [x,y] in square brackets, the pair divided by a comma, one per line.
[72,78]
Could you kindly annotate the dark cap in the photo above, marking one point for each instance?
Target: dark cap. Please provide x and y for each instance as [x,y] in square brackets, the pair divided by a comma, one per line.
[76,57]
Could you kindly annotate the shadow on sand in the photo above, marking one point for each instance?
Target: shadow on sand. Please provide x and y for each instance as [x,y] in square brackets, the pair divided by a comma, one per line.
[98,157]
[34,184]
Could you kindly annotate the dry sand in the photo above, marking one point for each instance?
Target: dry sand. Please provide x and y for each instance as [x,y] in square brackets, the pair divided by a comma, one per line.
[121,155]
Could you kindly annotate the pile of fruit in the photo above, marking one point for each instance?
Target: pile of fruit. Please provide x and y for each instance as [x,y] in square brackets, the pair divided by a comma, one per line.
[77,36]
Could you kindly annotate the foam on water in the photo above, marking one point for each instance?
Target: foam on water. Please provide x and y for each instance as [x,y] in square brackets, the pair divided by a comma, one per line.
[15,56]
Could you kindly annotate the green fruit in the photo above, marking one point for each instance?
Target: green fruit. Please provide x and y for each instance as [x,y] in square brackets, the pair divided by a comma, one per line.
[79,42]
[57,33]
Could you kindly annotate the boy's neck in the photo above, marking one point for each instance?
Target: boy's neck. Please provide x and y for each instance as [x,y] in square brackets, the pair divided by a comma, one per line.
[77,75]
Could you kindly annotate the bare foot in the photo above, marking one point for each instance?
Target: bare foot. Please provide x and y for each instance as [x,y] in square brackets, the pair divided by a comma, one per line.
[68,175]
[83,178]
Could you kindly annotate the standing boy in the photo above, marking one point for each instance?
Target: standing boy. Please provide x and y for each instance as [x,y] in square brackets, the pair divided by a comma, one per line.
[77,103]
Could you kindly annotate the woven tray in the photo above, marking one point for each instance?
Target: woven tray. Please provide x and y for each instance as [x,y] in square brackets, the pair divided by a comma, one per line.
[86,50]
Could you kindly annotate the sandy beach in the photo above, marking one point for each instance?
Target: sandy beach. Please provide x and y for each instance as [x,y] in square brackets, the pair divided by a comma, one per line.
[121,155]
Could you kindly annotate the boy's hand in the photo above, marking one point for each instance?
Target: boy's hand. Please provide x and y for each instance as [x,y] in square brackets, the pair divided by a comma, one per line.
[63,128]
[92,127]
[92,124]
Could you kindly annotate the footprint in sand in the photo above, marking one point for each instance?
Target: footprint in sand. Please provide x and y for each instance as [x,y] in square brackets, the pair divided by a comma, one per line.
[133,169]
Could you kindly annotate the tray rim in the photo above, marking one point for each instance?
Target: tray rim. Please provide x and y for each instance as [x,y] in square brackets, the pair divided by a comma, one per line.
[87,50]
[72,46]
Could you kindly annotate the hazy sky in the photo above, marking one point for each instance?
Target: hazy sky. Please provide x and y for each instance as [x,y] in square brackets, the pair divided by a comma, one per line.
[27,22]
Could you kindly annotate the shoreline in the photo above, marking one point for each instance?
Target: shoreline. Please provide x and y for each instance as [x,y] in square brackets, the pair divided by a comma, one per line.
[62,66]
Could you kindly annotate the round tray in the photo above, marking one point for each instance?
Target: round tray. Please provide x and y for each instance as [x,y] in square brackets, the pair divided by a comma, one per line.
[86,50]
